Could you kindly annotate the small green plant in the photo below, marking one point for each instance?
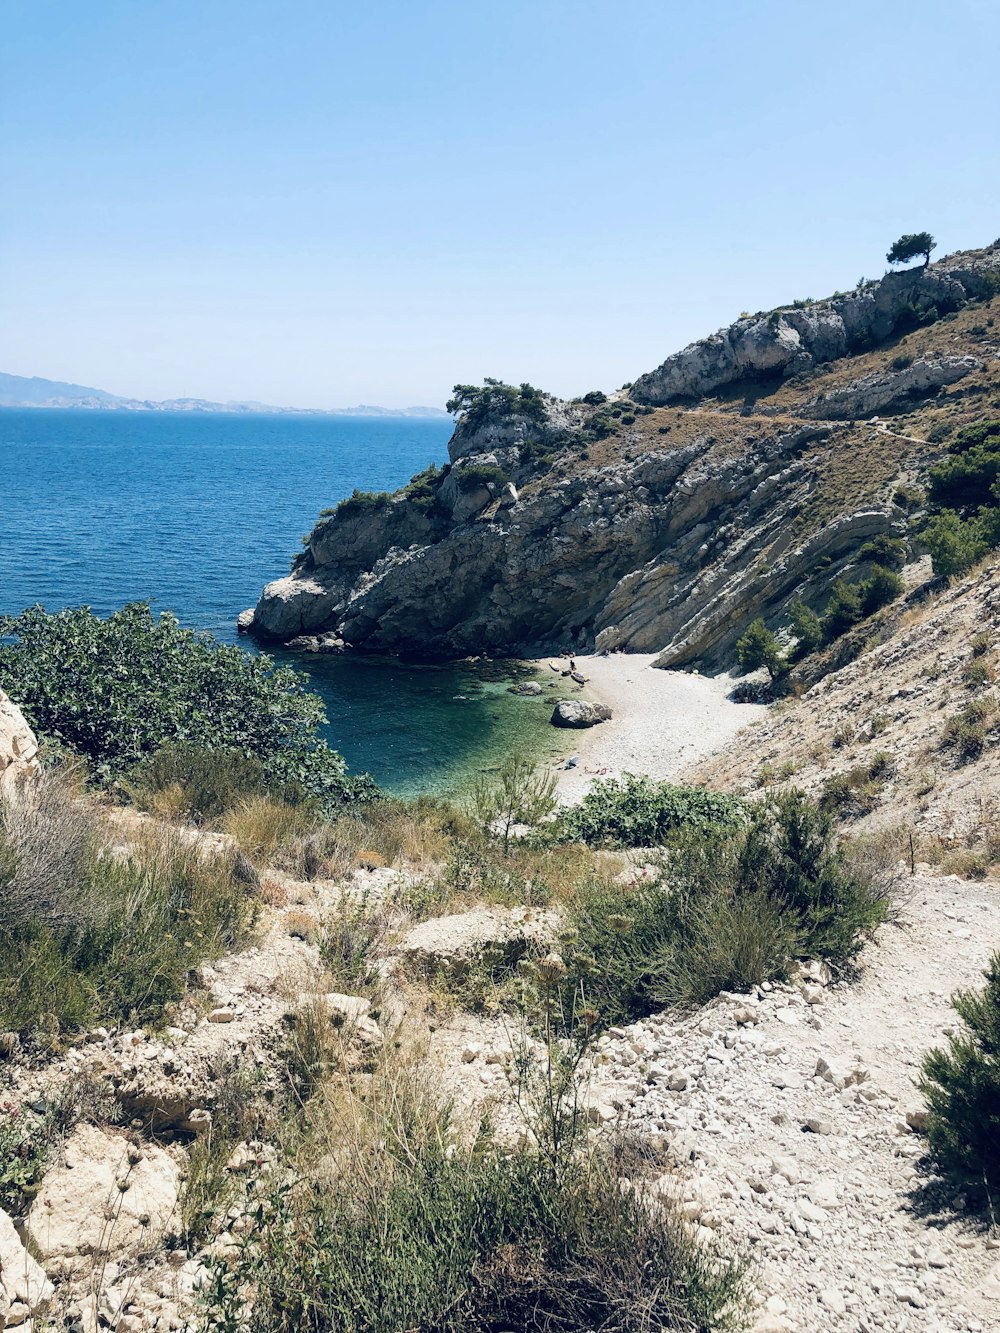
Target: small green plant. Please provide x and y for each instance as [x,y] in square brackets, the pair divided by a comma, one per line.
[888,552]
[361,504]
[475,476]
[961,1084]
[516,794]
[901,362]
[966,732]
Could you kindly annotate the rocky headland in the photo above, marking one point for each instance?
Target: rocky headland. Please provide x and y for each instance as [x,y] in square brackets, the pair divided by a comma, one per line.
[744,472]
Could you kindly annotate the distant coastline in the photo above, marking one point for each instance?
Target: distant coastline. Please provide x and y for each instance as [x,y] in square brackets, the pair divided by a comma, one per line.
[25,392]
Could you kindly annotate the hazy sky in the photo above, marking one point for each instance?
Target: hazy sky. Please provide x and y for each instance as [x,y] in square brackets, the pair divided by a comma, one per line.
[312,202]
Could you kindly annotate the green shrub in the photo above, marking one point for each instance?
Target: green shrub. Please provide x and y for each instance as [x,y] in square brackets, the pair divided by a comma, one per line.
[807,628]
[360,503]
[966,732]
[842,610]
[880,588]
[638,812]
[961,1084]
[901,362]
[758,647]
[888,552]
[594,398]
[955,544]
[516,794]
[119,689]
[421,1235]
[475,404]
[728,909]
[472,476]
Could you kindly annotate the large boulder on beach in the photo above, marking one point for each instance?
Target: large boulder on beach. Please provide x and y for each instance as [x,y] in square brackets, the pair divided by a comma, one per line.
[579,713]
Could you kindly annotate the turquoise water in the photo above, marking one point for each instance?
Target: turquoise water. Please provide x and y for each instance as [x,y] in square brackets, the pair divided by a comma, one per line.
[196,512]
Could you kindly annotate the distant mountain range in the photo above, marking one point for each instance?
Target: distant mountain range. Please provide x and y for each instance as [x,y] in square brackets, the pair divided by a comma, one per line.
[21,391]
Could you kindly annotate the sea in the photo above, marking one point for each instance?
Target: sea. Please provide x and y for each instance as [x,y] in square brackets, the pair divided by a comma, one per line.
[195,512]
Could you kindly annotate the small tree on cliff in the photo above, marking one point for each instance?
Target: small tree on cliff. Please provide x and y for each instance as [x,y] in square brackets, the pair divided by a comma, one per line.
[758,647]
[911,245]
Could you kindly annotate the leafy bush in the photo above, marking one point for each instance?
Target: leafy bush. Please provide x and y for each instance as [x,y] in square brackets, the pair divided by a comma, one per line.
[888,552]
[359,503]
[842,610]
[117,690]
[955,544]
[807,628]
[594,398]
[758,647]
[961,1084]
[879,589]
[89,934]
[472,476]
[638,812]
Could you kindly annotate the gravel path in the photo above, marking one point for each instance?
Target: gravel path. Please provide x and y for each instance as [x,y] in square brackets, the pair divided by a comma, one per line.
[788,1113]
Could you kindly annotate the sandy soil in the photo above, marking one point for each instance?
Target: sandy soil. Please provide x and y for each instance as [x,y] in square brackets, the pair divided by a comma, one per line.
[663,721]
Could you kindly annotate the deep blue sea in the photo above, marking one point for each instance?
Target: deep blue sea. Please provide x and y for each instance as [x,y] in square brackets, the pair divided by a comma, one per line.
[196,512]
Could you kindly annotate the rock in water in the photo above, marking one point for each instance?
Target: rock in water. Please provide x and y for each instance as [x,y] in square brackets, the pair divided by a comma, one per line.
[579,713]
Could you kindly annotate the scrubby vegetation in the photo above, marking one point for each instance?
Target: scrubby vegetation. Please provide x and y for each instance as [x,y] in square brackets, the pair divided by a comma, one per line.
[729,907]
[963,498]
[93,933]
[115,691]
[638,812]
[475,404]
[423,1230]
[961,1083]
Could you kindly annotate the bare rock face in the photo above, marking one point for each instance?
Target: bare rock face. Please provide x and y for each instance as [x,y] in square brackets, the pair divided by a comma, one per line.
[876,393]
[22,1279]
[579,713]
[106,1195]
[450,944]
[791,340]
[18,746]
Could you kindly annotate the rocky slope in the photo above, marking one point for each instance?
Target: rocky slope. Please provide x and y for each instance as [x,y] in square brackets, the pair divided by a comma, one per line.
[662,518]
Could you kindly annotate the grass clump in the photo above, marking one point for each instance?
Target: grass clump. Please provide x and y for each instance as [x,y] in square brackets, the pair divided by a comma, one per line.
[638,812]
[92,933]
[961,1084]
[418,1230]
[966,733]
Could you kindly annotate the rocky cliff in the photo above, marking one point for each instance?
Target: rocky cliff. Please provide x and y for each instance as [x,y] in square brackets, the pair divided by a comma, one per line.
[741,473]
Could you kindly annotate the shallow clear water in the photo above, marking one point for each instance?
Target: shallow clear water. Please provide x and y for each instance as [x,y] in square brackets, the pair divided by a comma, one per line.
[196,512]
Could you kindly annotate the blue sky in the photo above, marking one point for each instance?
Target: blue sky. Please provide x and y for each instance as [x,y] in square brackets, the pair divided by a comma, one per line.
[320,203]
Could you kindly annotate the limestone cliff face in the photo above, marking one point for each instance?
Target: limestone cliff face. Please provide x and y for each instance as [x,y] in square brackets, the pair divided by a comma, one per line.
[793,339]
[619,525]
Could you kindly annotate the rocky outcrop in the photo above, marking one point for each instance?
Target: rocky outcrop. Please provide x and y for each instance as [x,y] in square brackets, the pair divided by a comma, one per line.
[579,713]
[543,533]
[106,1194]
[25,1291]
[878,392]
[795,339]
[18,746]
[628,556]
